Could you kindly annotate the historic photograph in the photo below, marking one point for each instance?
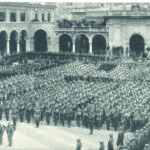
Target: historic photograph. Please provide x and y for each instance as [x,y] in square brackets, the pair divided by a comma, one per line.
[74,76]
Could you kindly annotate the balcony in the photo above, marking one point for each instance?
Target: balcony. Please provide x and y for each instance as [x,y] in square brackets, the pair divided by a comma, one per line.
[83,29]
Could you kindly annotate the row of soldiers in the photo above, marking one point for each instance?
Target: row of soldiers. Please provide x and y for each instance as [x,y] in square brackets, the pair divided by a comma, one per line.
[139,140]
[86,115]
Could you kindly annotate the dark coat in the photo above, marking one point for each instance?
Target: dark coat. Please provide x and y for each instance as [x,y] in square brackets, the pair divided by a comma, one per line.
[120,138]
[110,146]
[79,146]
[102,147]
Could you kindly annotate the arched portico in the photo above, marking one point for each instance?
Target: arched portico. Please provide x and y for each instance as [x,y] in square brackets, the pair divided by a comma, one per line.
[65,43]
[137,45]
[40,41]
[99,44]
[82,44]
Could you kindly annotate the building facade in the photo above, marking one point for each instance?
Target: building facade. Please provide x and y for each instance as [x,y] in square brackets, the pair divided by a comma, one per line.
[125,25]
[90,28]
[24,27]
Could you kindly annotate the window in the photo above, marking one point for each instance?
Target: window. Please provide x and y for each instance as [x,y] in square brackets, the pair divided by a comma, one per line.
[22,17]
[36,16]
[69,4]
[2,16]
[49,17]
[43,19]
[102,4]
[13,17]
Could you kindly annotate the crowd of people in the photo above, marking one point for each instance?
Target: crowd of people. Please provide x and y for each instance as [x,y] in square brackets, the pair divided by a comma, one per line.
[140,140]
[45,96]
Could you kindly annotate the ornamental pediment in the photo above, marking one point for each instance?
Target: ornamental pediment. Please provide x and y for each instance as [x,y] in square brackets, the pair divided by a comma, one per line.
[137,10]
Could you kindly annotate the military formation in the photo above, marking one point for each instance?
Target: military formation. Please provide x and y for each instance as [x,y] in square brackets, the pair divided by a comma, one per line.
[139,141]
[44,97]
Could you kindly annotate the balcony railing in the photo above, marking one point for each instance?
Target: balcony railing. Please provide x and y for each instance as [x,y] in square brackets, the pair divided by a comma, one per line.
[83,29]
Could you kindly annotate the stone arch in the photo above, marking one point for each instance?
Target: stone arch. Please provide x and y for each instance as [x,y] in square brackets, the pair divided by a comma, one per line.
[65,43]
[40,41]
[3,42]
[13,42]
[82,44]
[99,44]
[137,44]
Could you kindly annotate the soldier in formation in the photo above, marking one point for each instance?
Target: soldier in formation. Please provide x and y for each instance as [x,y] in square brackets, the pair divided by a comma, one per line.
[91,121]
[37,116]
[21,111]
[7,110]
[48,113]
[14,115]
[10,132]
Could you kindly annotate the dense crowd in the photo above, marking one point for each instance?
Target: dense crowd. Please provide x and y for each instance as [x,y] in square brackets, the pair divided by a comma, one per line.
[46,96]
[139,140]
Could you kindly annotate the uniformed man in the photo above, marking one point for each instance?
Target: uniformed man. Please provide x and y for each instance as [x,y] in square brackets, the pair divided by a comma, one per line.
[28,111]
[85,118]
[98,119]
[21,111]
[102,147]
[42,110]
[7,109]
[37,115]
[56,115]
[108,120]
[120,138]
[2,129]
[69,115]
[48,113]
[110,143]
[62,116]
[79,144]
[78,116]
[91,121]
[9,131]
[14,114]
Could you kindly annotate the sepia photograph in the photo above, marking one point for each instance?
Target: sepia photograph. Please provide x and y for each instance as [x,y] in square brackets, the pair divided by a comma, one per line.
[74,75]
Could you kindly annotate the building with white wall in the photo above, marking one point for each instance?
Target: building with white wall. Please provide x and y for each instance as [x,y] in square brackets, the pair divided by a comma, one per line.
[89,28]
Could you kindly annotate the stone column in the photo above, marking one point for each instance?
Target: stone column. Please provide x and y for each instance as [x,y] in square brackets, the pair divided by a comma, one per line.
[73,47]
[8,49]
[90,51]
[145,46]
[39,15]
[57,44]
[7,15]
[52,16]
[32,44]
[45,15]
[90,46]
[18,46]
[48,43]
[28,16]
[17,16]
[28,45]
[128,51]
